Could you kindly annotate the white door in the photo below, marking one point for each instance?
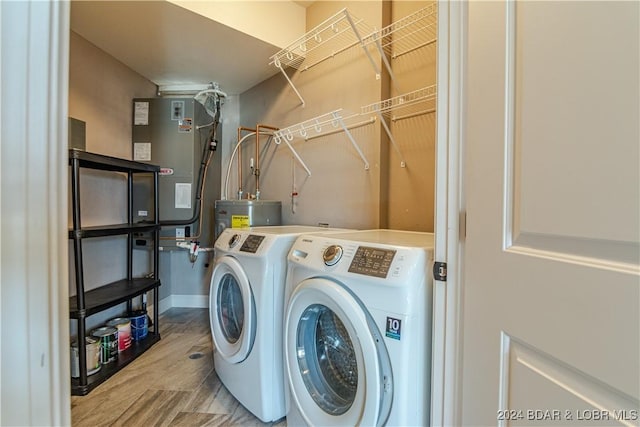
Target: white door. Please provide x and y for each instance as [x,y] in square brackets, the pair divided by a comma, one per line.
[551,301]
[232,310]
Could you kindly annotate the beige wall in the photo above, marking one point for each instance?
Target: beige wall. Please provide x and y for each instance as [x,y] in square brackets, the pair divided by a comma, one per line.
[101,90]
[411,195]
[100,93]
[340,191]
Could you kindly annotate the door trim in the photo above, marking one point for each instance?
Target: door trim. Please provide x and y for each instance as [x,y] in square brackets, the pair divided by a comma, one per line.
[34,174]
[446,392]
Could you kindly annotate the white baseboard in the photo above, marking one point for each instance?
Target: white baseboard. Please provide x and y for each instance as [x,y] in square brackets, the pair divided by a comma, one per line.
[183,301]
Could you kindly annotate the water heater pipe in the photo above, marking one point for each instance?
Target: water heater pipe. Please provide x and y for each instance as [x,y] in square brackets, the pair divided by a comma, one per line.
[226,180]
[257,171]
[240,129]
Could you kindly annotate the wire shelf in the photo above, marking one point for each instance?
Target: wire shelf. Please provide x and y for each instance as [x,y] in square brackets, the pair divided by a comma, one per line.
[333,36]
[311,128]
[315,125]
[410,33]
[402,101]
[344,31]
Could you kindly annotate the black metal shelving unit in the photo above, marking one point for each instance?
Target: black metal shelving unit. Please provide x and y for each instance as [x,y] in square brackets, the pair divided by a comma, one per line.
[87,303]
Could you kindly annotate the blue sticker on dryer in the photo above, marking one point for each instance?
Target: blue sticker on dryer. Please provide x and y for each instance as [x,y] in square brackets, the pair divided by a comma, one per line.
[393,328]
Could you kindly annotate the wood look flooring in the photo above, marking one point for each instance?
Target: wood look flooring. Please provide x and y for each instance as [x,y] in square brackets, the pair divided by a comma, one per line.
[172,384]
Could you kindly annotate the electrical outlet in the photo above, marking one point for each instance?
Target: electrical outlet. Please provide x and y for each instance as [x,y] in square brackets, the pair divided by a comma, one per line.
[179,233]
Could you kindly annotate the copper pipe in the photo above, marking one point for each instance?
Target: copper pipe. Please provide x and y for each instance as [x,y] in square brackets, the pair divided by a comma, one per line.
[257,172]
[240,129]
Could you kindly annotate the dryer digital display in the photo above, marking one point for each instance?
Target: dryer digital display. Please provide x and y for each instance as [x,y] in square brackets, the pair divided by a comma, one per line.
[251,244]
[372,261]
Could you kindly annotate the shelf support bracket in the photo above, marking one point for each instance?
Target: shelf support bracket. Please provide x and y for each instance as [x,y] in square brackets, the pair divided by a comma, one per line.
[403,164]
[297,156]
[279,65]
[364,46]
[337,117]
[385,60]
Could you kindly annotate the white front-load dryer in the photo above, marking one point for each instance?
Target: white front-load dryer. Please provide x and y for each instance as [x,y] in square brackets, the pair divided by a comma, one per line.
[357,329]
[246,304]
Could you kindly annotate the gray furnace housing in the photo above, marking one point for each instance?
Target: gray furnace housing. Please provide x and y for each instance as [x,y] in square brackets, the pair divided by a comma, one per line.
[172,133]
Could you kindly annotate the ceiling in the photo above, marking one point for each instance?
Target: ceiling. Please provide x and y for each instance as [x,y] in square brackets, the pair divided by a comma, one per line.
[171,45]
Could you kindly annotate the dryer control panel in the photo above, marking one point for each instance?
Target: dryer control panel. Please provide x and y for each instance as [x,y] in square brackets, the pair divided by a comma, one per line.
[372,261]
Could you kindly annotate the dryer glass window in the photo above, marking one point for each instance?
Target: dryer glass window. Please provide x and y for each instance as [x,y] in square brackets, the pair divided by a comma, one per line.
[327,359]
[230,308]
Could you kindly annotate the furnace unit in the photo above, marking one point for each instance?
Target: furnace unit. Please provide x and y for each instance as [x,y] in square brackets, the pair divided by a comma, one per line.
[174,133]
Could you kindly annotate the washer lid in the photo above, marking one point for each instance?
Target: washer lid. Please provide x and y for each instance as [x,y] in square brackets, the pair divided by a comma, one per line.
[339,369]
[231,310]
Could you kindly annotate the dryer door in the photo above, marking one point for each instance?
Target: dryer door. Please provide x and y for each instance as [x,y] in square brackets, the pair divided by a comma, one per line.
[231,310]
[338,367]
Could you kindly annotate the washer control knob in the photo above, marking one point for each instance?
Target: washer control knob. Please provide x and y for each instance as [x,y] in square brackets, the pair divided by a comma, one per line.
[234,240]
[332,255]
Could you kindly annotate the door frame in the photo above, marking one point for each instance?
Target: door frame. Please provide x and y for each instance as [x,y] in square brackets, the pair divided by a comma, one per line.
[34,230]
[450,214]
[449,202]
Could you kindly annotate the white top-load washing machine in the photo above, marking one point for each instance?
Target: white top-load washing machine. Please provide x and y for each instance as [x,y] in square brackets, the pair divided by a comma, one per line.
[246,305]
[358,329]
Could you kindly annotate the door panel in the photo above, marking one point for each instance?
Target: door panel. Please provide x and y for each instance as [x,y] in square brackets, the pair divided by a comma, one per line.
[568,139]
[551,290]
[565,394]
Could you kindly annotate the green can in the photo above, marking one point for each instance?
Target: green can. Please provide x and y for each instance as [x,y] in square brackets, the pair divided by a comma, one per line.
[108,338]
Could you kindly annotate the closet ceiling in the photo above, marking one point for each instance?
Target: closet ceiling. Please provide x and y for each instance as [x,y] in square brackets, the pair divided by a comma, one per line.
[170,45]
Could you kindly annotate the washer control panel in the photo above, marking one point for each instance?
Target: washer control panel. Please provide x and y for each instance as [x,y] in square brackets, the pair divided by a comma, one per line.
[251,243]
[372,261]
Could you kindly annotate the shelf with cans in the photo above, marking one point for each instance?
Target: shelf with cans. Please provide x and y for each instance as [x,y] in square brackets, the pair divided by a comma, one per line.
[101,352]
